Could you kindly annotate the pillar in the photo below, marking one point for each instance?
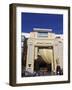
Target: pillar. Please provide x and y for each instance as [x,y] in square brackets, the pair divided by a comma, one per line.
[30,58]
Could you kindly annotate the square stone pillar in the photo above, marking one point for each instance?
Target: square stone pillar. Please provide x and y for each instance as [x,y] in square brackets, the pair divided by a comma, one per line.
[30,58]
[56,50]
[36,53]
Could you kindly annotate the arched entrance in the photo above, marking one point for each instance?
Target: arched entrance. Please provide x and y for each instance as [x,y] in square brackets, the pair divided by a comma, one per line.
[43,61]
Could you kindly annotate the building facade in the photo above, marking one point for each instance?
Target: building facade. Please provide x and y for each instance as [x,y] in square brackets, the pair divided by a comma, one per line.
[48,45]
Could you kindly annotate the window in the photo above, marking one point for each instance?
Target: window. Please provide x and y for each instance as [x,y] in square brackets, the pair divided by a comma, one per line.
[42,34]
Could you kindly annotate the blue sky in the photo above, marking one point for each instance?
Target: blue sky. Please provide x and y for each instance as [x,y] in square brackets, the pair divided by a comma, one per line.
[47,21]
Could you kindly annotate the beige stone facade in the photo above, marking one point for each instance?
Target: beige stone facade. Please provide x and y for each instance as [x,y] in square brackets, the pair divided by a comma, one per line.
[51,53]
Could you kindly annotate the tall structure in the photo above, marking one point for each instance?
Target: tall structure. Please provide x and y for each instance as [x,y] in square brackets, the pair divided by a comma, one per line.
[46,44]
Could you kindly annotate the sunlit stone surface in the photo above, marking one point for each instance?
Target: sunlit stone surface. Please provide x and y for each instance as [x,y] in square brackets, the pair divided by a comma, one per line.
[38,43]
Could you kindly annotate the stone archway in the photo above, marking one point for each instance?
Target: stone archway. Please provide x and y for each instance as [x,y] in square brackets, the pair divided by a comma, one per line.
[43,58]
